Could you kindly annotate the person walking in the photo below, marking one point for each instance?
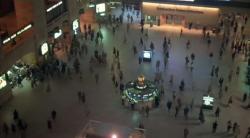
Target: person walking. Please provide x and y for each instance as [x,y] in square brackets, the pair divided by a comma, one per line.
[215,125]
[188,44]
[248,133]
[186,111]
[169,105]
[192,104]
[201,116]
[5,129]
[49,124]
[217,112]
[15,115]
[181,32]
[234,126]
[237,131]
[79,94]
[177,108]
[186,132]
[83,98]
[244,98]
[96,78]
[230,101]
[13,128]
[53,115]
[229,126]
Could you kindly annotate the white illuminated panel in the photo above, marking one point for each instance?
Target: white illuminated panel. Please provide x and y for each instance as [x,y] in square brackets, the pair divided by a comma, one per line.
[208,101]
[114,136]
[54,6]
[17,33]
[75,26]
[100,8]
[44,48]
[147,54]
[91,5]
[57,34]
[102,14]
[3,83]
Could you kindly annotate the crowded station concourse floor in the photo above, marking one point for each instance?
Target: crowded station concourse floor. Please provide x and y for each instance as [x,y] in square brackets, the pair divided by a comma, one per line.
[103,99]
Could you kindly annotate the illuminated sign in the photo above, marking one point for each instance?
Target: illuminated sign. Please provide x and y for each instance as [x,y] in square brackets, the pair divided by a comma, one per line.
[208,101]
[3,83]
[17,33]
[54,6]
[147,54]
[75,26]
[181,8]
[44,48]
[100,8]
[57,34]
[91,5]
[114,136]
[102,14]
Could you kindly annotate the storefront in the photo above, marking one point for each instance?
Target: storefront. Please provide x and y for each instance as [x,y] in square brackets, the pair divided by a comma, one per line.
[159,13]
[11,78]
[59,43]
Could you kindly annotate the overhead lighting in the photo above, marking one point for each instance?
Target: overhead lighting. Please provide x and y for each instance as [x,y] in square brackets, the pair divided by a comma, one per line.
[114,136]
[181,7]
[100,8]
[102,14]
[17,33]
[91,5]
[44,48]
[57,34]
[54,6]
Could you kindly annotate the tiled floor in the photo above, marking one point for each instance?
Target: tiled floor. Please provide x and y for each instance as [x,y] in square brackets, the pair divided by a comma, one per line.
[104,103]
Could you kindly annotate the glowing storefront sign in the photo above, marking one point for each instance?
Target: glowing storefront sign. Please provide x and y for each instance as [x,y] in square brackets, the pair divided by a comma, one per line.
[17,33]
[208,101]
[75,26]
[44,48]
[3,82]
[54,6]
[58,34]
[183,8]
[100,8]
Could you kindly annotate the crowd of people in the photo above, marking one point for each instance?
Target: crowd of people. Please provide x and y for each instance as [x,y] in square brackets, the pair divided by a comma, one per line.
[231,27]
